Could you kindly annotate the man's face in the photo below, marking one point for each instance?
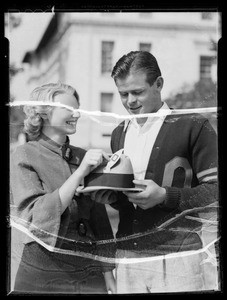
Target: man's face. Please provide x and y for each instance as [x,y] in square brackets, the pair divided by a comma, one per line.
[137,95]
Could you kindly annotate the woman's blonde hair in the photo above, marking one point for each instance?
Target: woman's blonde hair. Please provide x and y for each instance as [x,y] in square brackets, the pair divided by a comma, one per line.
[33,122]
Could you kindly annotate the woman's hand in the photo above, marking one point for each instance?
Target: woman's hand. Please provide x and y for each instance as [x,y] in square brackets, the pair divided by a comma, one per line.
[92,159]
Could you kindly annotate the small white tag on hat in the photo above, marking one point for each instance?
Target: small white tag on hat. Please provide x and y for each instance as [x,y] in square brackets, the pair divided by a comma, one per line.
[113,160]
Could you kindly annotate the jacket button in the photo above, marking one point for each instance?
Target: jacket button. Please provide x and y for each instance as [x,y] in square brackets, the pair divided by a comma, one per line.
[82,230]
[135,222]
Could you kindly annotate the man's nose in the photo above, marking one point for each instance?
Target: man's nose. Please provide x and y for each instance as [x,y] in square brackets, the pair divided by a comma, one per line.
[131,98]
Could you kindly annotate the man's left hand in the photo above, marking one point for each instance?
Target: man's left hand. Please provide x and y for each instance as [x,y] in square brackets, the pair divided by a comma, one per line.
[152,195]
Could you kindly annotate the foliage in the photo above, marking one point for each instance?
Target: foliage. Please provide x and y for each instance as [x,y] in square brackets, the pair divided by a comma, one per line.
[202,94]
[16,114]
[12,20]
[16,118]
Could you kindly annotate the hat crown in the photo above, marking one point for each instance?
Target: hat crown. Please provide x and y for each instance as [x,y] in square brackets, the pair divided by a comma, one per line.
[122,165]
[116,174]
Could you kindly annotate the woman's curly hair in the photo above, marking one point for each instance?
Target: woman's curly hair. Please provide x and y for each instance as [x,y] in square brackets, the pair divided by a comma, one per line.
[33,122]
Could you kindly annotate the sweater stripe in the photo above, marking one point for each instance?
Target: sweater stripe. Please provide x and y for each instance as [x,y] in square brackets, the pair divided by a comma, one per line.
[209,178]
[206,172]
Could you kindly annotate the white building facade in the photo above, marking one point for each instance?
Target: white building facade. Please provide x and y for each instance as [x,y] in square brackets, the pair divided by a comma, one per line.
[81,49]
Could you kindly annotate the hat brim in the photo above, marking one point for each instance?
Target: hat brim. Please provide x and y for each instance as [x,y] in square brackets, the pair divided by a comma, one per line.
[96,188]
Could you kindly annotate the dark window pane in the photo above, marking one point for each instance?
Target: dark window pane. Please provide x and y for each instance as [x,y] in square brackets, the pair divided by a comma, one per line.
[107,56]
[106,102]
[205,67]
[145,47]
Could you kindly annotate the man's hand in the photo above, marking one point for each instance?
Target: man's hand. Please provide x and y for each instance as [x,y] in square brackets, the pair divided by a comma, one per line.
[104,196]
[152,195]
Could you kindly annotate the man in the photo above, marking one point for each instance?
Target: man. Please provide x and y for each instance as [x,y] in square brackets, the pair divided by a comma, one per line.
[174,158]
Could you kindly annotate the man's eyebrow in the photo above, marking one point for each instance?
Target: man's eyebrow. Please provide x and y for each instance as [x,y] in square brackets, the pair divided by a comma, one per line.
[132,90]
[138,90]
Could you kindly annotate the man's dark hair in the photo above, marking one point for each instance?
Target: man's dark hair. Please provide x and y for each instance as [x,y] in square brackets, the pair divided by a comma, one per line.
[137,61]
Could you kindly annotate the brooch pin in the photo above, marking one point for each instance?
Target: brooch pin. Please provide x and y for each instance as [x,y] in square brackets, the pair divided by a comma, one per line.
[67,154]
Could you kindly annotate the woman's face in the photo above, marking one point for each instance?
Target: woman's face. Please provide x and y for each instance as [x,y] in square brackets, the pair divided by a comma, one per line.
[62,121]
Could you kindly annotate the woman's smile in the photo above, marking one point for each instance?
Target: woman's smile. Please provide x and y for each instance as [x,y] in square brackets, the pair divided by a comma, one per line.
[72,122]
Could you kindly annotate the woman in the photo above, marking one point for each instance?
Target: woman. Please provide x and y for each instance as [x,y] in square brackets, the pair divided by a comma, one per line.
[45,173]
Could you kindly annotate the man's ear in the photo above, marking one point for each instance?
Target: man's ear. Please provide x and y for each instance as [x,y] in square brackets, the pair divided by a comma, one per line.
[159,82]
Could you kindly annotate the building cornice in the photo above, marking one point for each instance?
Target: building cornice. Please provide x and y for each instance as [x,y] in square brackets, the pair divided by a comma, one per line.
[144,25]
[53,27]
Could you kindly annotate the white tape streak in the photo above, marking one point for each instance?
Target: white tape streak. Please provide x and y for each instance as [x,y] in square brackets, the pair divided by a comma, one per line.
[114,115]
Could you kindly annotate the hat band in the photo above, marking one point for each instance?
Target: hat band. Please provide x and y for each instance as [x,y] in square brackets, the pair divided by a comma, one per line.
[110,180]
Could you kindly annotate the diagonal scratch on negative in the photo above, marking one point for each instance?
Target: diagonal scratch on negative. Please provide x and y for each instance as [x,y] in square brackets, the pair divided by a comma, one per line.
[164,225]
[162,113]
[211,257]
[132,236]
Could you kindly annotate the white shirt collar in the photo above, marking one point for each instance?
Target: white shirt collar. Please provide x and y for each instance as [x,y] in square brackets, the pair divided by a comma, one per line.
[164,106]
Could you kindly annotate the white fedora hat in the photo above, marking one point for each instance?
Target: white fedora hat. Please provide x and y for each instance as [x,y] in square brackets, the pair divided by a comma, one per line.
[117,174]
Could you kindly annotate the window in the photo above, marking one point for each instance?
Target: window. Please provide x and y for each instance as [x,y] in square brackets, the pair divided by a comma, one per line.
[145,47]
[107,55]
[206,15]
[106,102]
[205,67]
[106,106]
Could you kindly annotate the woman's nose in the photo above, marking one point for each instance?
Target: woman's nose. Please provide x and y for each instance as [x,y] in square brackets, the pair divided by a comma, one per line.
[76,114]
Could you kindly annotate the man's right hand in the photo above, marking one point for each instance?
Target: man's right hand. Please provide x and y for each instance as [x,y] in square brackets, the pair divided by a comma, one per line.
[104,196]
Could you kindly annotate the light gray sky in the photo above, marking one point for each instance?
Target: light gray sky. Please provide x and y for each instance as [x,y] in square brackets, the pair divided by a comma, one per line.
[26,36]
[23,38]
